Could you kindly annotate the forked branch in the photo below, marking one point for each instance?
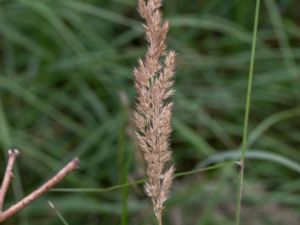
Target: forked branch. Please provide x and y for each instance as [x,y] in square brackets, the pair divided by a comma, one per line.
[71,166]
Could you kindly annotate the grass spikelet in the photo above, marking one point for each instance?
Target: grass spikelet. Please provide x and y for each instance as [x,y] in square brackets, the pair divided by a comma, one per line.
[153,82]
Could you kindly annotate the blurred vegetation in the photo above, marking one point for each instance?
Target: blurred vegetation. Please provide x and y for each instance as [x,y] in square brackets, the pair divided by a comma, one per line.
[66,90]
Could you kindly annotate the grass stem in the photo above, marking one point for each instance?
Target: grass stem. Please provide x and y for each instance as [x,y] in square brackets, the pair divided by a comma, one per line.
[247,113]
[141,181]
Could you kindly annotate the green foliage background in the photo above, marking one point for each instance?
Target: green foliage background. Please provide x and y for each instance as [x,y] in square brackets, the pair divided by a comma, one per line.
[66,90]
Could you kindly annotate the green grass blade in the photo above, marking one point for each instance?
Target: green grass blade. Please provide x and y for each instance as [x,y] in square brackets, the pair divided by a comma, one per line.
[284,45]
[17,89]
[212,23]
[253,154]
[58,213]
[270,121]
[194,139]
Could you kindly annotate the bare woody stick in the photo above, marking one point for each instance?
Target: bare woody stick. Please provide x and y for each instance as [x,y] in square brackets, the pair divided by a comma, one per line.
[71,166]
[12,154]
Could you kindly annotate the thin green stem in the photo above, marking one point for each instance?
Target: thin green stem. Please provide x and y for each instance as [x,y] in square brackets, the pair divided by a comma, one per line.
[247,112]
[140,181]
[124,156]
[213,167]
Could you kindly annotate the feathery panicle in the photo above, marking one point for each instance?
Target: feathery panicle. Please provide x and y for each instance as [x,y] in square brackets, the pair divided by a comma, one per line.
[153,82]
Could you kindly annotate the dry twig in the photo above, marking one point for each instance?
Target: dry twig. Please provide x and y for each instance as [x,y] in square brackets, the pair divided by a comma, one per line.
[71,166]
[12,154]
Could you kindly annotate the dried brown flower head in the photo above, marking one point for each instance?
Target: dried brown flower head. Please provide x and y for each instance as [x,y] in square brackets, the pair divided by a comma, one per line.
[152,117]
